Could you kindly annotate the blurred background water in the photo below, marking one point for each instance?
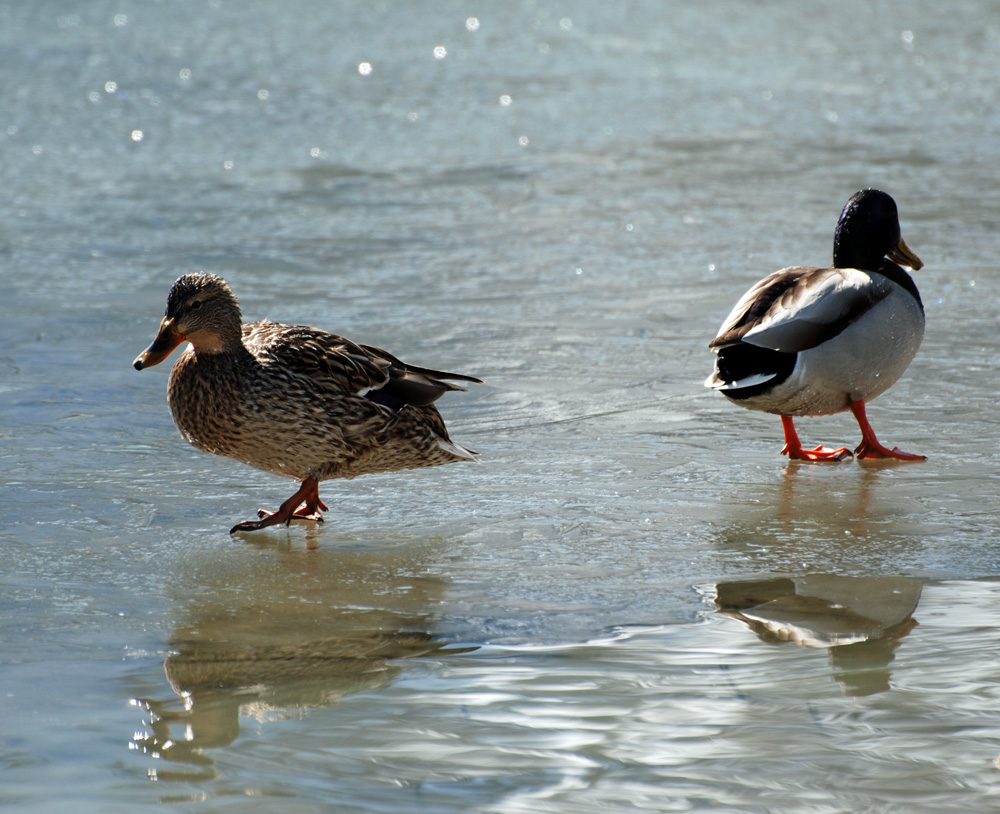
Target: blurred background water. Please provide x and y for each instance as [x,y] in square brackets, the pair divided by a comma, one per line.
[634,603]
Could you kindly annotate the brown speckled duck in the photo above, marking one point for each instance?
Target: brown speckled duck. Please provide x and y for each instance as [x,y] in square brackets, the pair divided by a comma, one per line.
[295,401]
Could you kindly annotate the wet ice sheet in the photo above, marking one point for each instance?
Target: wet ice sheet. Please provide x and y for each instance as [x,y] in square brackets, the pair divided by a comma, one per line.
[671,160]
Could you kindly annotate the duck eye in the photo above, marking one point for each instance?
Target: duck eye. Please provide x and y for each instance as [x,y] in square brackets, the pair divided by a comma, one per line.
[195,305]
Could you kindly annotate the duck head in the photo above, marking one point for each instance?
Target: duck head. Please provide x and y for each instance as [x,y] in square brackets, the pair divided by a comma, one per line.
[202,309]
[868,233]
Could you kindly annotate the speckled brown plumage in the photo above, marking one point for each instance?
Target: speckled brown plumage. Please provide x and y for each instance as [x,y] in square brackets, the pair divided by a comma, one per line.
[293,400]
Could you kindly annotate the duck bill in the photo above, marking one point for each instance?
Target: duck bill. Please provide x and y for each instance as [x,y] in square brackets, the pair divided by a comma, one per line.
[903,255]
[167,338]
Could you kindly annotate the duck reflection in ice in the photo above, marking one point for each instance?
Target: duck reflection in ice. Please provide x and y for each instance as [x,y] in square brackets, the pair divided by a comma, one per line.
[273,642]
[860,620]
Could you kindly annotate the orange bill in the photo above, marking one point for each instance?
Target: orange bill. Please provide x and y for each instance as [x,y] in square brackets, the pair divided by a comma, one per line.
[166,339]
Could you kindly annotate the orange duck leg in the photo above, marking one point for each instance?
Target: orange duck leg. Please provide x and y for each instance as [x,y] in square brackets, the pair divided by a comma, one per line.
[870,448]
[793,447]
[308,494]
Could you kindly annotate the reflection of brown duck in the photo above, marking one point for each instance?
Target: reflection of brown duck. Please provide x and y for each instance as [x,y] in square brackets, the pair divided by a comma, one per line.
[860,620]
[222,680]
[295,401]
[277,642]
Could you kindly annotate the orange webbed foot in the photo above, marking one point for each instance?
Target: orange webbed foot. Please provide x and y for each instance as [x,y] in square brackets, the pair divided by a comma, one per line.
[301,513]
[820,454]
[870,449]
[291,509]
[795,452]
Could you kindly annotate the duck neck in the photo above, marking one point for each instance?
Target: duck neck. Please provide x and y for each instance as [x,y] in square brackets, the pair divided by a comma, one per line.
[224,340]
[899,276]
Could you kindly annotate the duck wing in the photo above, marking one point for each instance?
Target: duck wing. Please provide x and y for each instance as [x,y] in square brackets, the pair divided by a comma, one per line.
[343,365]
[410,384]
[336,362]
[795,309]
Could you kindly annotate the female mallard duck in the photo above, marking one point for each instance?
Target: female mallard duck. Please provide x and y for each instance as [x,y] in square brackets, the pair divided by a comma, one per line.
[295,401]
[815,341]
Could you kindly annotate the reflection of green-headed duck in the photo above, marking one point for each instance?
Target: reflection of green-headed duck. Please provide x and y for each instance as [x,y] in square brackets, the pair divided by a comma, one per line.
[295,401]
[815,341]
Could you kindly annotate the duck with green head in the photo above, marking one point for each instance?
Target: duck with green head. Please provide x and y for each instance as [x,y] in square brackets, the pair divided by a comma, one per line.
[808,341]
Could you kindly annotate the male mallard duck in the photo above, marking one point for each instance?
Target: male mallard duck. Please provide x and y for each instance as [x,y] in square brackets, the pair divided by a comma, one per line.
[815,341]
[295,401]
